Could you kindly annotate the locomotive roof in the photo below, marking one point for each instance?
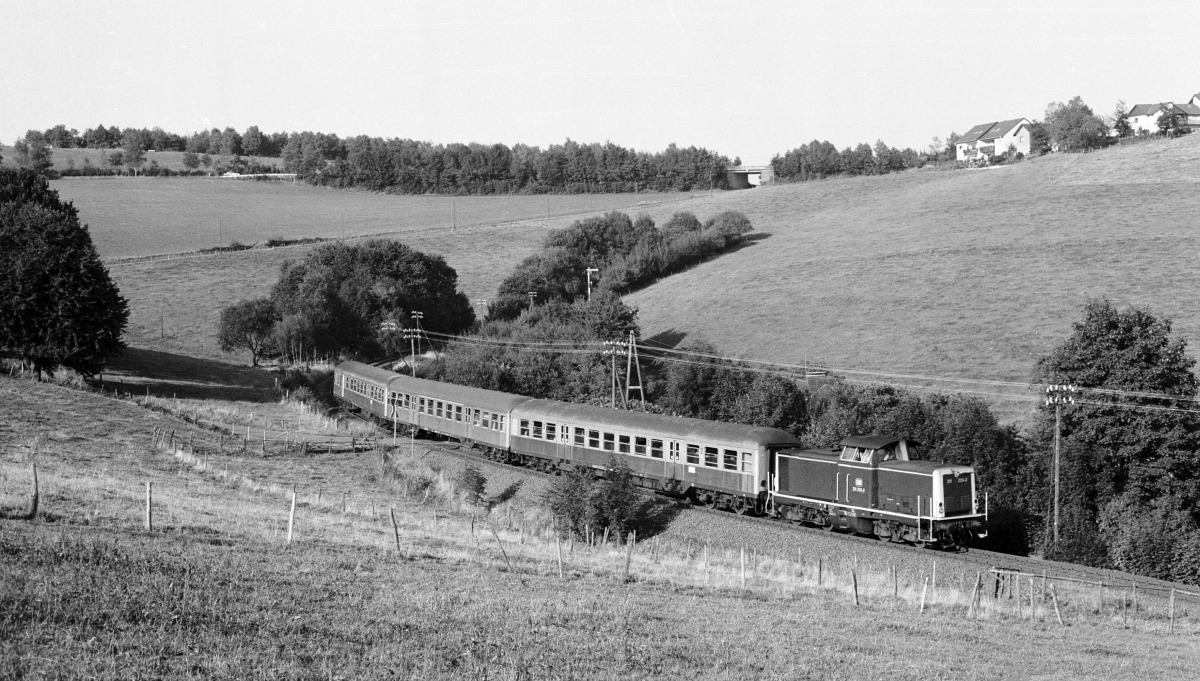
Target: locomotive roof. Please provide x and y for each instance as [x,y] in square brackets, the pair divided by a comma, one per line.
[874,441]
[475,397]
[678,427]
[366,371]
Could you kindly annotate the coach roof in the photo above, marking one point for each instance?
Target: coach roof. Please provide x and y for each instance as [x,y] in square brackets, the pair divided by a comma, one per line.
[475,397]
[693,430]
[367,372]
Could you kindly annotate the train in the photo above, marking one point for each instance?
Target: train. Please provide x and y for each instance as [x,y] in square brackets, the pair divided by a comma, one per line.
[869,485]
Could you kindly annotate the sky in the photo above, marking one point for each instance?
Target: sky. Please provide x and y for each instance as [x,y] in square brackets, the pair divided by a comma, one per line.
[749,80]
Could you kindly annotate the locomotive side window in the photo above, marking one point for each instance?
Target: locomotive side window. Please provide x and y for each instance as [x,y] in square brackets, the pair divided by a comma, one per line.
[623,444]
[639,446]
[524,428]
[710,457]
[594,439]
[537,429]
[656,449]
[731,460]
[608,442]
[551,431]
[693,453]
[579,436]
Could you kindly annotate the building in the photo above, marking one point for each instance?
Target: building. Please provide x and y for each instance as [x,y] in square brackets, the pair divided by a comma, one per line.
[1143,118]
[991,139]
[746,177]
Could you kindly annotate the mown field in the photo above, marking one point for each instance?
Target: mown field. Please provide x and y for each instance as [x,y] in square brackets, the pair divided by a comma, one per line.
[971,274]
[137,216]
[215,590]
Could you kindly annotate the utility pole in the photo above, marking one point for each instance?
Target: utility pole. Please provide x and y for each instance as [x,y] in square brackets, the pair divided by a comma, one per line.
[1058,395]
[412,334]
[483,302]
[632,363]
[589,278]
[532,295]
[616,348]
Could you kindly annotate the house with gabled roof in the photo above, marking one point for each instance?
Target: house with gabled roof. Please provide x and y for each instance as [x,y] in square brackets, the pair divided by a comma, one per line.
[990,139]
[1143,118]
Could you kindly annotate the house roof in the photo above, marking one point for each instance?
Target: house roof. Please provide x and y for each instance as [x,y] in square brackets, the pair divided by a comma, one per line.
[975,133]
[1145,109]
[1189,108]
[1002,128]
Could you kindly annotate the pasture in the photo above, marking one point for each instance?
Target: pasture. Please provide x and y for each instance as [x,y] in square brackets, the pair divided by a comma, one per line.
[139,216]
[970,274]
[216,589]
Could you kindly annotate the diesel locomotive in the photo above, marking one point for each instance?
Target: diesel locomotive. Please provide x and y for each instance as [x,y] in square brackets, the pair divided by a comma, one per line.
[870,485]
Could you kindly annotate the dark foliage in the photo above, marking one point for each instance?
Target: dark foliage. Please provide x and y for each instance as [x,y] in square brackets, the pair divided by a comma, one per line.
[818,160]
[248,325]
[336,297]
[608,501]
[58,306]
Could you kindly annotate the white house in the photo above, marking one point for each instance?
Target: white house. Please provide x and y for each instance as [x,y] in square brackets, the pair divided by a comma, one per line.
[1143,118]
[991,139]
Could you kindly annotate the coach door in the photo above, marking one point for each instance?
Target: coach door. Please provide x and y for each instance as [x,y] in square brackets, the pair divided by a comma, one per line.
[674,468]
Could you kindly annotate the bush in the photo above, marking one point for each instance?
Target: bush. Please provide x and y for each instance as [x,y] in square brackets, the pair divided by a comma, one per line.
[576,500]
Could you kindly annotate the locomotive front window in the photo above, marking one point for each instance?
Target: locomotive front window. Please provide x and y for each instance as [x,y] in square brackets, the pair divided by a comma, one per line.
[656,449]
[537,429]
[551,431]
[693,453]
[594,439]
[579,436]
[524,428]
[623,444]
[639,446]
[609,439]
[731,460]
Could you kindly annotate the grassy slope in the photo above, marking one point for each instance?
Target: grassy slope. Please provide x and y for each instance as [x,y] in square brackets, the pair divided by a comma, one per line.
[966,273]
[214,591]
[130,216]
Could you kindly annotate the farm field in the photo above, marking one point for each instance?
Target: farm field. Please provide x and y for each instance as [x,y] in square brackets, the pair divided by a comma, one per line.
[215,590]
[138,216]
[971,274]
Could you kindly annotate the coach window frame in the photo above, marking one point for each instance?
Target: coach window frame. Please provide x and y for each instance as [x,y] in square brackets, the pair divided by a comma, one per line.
[692,453]
[523,428]
[609,441]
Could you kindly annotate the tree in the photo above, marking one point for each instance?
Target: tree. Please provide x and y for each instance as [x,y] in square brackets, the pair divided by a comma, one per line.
[1119,123]
[135,149]
[1171,122]
[252,141]
[1112,452]
[206,160]
[190,160]
[58,306]
[116,159]
[59,136]
[247,325]
[1073,126]
[33,152]
[1039,139]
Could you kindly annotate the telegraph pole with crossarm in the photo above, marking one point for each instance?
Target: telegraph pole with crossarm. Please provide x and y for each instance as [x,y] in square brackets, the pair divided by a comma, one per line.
[1058,395]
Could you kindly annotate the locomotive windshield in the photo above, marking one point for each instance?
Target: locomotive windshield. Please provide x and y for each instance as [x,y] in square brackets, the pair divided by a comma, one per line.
[900,451]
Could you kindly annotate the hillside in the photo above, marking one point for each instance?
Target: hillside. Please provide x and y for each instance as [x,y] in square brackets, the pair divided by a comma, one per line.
[967,273]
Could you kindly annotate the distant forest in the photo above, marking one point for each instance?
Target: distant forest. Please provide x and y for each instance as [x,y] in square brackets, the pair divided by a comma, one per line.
[412,167]
[818,160]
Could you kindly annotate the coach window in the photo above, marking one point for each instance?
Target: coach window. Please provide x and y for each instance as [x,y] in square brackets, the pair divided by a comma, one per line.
[524,428]
[499,424]
[747,462]
[594,439]
[693,454]
[609,440]
[437,408]
[580,437]
[730,462]
[639,446]
[537,429]
[485,419]
[551,431]
[476,417]
[710,457]
[656,449]
[458,414]
[420,404]
[623,444]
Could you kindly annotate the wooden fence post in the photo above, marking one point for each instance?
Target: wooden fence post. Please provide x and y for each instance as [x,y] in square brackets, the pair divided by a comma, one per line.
[820,569]
[630,539]
[149,519]
[558,548]
[743,567]
[975,594]
[395,529]
[34,497]
[1054,600]
[923,590]
[1171,612]
[1124,613]
[895,582]
[291,516]
[854,578]
[500,544]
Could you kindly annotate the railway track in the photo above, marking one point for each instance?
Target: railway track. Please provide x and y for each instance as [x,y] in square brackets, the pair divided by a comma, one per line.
[985,560]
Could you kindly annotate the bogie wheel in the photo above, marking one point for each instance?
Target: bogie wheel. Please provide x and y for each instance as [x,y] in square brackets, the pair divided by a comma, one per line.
[828,526]
[740,506]
[710,501]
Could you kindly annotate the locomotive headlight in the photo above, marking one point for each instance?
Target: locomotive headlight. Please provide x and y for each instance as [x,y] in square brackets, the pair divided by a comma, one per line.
[940,508]
[975,506]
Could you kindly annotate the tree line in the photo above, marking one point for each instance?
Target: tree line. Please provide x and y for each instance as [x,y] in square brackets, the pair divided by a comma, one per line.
[818,160]
[217,142]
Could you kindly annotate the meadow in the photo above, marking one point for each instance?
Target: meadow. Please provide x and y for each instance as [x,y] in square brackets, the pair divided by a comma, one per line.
[140,216]
[215,588]
[971,274]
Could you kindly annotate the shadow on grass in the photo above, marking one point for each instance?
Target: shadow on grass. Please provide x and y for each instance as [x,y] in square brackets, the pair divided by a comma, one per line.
[669,339]
[654,516]
[165,374]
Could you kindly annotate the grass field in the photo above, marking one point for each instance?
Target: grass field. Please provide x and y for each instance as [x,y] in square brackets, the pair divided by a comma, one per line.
[136,216]
[967,273]
[215,589]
